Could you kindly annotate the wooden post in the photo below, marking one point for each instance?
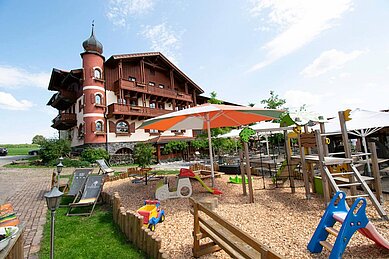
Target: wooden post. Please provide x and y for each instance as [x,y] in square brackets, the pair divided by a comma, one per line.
[157,247]
[145,243]
[324,178]
[289,160]
[129,225]
[248,172]
[304,168]
[347,149]
[376,173]
[323,139]
[150,244]
[196,227]
[242,172]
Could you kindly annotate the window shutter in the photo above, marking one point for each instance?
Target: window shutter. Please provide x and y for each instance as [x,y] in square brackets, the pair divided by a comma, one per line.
[112,127]
[132,127]
[93,126]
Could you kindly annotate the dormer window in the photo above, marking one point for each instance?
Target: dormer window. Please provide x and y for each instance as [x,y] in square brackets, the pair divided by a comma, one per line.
[97,73]
[132,79]
[161,86]
[151,84]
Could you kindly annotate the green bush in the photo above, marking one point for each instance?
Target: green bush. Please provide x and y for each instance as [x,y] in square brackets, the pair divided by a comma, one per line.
[93,154]
[174,146]
[67,162]
[52,149]
[144,154]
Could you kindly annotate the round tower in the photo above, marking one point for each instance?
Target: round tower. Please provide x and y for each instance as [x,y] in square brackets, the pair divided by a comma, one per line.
[94,91]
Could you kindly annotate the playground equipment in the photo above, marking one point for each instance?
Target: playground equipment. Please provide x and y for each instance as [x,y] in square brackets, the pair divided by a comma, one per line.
[189,173]
[351,221]
[237,179]
[183,189]
[152,213]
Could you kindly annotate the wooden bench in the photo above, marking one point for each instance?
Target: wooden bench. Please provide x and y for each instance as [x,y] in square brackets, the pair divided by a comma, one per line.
[224,235]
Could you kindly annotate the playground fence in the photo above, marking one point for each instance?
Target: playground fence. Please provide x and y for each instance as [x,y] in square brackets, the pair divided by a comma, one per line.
[131,225]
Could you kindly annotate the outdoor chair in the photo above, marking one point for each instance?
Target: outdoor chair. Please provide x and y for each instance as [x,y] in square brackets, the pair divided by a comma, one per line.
[142,175]
[78,181]
[88,197]
[104,167]
[8,216]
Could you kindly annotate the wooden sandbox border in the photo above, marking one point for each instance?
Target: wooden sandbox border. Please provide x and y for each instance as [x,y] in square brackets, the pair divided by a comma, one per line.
[131,225]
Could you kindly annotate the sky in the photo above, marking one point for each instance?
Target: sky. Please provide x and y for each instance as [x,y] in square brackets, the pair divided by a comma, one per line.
[326,56]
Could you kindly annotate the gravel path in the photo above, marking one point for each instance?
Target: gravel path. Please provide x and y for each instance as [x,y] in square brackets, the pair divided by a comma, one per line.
[282,221]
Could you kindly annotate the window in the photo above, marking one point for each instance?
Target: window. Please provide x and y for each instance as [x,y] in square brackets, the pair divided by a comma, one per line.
[151,84]
[134,102]
[97,73]
[153,131]
[98,99]
[122,127]
[81,131]
[161,86]
[132,79]
[152,105]
[99,126]
[161,106]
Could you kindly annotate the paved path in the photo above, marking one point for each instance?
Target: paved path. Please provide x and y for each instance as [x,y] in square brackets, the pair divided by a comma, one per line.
[8,159]
[24,189]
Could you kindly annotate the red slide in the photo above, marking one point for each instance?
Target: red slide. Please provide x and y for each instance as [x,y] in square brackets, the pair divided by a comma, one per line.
[369,231]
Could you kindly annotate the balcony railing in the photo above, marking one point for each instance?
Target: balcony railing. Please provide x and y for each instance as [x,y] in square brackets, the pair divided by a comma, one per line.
[125,109]
[154,90]
[64,121]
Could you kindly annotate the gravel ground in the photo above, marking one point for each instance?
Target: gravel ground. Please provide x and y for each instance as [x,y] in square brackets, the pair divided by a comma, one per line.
[278,219]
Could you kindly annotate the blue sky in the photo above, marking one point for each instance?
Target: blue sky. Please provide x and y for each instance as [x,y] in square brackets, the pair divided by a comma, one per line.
[328,55]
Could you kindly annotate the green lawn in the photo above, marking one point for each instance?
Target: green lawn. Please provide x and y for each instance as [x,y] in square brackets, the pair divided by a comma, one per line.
[87,237]
[19,149]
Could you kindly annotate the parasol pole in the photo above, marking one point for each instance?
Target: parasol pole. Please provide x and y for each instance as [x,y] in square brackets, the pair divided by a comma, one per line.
[210,148]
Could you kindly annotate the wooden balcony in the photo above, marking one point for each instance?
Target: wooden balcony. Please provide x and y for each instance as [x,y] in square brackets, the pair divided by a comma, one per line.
[125,109]
[154,90]
[64,121]
[63,99]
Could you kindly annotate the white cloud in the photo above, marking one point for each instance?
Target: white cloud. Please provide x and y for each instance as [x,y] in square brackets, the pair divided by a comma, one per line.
[8,102]
[299,23]
[12,77]
[297,98]
[329,60]
[119,11]
[164,39]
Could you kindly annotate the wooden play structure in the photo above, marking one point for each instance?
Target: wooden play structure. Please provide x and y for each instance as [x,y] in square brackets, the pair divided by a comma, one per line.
[224,235]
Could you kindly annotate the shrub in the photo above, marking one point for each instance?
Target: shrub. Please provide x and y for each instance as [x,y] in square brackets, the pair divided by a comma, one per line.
[175,146]
[52,149]
[144,154]
[93,154]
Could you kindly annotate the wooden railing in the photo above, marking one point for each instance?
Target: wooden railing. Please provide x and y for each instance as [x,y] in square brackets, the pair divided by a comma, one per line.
[224,235]
[15,248]
[154,90]
[126,109]
[131,225]
[64,121]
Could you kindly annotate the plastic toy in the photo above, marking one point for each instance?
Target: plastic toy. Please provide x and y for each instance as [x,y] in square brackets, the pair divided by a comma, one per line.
[189,173]
[350,223]
[237,179]
[183,189]
[152,213]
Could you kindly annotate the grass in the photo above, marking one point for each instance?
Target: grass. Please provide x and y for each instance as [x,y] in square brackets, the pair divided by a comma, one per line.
[87,237]
[19,149]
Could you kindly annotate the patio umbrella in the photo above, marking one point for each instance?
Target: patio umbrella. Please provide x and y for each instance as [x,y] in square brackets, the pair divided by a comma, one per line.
[209,116]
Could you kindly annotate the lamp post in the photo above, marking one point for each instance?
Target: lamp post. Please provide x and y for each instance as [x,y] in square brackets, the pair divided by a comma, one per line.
[53,198]
[59,170]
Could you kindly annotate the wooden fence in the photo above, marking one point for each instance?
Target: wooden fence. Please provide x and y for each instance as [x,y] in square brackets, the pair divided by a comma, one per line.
[131,224]
[197,167]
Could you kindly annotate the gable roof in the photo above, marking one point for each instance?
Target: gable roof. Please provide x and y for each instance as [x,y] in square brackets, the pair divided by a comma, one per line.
[159,54]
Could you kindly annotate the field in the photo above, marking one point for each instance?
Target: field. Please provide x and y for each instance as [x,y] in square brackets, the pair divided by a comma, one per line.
[19,149]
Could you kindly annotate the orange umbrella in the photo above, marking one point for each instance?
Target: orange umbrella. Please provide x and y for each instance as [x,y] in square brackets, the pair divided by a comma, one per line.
[209,116]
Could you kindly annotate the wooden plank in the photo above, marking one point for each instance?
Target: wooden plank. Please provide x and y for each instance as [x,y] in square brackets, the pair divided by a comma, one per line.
[230,243]
[376,173]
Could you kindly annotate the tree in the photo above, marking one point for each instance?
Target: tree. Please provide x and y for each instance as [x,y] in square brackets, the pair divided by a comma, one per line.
[173,146]
[52,149]
[144,154]
[38,139]
[213,99]
[93,154]
[273,102]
